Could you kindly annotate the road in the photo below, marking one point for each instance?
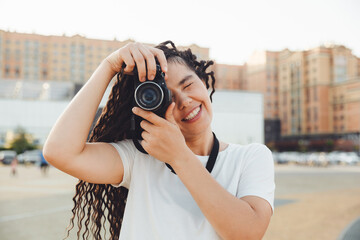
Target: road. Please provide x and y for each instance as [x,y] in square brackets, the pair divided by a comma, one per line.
[311,203]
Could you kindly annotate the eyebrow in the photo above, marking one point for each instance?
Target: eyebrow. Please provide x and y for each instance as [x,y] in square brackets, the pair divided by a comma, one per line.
[185,79]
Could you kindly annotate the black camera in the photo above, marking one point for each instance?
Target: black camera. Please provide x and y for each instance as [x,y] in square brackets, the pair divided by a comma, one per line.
[151,95]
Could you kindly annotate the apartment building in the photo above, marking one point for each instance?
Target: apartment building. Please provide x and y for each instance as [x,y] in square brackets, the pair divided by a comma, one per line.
[319,94]
[262,76]
[310,83]
[229,76]
[310,94]
[33,57]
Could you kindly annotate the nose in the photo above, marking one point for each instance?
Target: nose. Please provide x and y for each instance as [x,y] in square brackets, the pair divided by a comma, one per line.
[183,101]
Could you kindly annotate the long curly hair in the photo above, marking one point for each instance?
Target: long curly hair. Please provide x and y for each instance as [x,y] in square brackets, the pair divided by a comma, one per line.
[101,206]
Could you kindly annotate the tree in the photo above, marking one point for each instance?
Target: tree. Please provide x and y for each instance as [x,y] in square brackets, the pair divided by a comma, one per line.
[21,142]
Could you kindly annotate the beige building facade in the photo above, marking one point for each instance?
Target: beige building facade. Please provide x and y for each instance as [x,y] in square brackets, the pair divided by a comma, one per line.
[314,92]
[229,76]
[33,57]
[262,76]
[315,87]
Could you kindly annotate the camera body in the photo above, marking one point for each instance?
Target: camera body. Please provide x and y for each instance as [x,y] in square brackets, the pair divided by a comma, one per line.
[151,95]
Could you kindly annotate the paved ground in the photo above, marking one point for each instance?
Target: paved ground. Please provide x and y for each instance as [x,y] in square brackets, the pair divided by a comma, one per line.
[325,202]
[311,203]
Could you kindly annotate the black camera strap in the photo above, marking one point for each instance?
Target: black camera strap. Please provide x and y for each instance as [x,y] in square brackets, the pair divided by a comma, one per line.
[212,158]
[210,163]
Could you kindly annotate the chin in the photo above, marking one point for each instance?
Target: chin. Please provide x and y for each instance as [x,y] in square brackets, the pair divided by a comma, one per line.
[196,128]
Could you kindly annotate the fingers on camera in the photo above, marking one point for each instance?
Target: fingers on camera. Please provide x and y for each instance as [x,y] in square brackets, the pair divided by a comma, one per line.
[150,62]
[144,59]
[129,62]
[140,63]
[160,56]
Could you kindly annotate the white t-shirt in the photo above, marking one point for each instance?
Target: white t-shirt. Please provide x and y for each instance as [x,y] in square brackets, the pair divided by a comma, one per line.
[159,206]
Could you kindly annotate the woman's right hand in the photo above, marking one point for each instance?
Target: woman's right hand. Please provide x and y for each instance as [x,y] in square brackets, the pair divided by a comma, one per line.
[139,55]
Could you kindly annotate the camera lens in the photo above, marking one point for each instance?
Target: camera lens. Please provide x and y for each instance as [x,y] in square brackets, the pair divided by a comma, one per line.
[149,96]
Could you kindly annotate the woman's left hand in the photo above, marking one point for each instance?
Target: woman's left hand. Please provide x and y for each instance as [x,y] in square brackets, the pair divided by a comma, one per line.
[163,138]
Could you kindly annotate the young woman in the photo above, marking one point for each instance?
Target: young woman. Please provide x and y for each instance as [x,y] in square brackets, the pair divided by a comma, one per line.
[172,192]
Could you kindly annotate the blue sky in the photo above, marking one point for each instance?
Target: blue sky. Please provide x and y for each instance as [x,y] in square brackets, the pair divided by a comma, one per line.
[232,30]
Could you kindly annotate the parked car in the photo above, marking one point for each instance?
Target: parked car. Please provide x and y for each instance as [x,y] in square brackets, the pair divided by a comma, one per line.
[30,157]
[334,157]
[283,158]
[275,156]
[7,156]
[319,159]
[351,158]
[303,158]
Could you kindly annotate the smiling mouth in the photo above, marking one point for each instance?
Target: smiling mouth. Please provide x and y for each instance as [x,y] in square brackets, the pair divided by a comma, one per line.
[193,114]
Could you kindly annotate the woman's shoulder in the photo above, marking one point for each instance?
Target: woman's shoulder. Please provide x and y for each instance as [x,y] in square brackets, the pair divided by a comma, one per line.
[250,147]
[126,145]
[249,151]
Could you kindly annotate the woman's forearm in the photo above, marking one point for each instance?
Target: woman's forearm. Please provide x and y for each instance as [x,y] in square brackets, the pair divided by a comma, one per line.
[232,218]
[69,134]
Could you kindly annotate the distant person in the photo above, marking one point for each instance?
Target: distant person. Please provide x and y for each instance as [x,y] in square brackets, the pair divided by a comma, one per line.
[190,185]
[44,165]
[14,164]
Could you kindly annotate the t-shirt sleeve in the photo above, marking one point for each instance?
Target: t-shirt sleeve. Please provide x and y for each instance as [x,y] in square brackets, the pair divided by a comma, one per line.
[127,151]
[257,177]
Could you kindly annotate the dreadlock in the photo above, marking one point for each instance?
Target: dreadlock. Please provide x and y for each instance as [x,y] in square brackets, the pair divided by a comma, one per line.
[96,205]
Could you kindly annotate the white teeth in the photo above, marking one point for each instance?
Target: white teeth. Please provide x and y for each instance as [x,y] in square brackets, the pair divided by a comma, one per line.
[192,114]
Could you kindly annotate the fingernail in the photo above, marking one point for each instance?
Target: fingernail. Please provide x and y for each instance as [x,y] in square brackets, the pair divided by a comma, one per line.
[165,68]
[134,109]
[151,77]
[143,79]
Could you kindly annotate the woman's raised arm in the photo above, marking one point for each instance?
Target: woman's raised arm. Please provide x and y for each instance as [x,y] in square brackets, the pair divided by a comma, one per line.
[66,147]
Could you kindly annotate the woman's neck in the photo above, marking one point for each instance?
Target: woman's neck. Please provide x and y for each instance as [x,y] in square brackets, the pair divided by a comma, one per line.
[201,144]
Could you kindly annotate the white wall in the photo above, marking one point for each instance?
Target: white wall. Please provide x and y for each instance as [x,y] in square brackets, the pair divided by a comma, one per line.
[238,116]
[37,117]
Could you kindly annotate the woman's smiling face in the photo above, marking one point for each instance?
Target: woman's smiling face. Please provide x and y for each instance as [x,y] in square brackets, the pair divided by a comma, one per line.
[193,111]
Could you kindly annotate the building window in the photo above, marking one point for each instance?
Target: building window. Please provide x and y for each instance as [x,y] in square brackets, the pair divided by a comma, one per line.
[340,68]
[308,112]
[315,114]
[307,95]
[7,69]
[315,93]
[17,72]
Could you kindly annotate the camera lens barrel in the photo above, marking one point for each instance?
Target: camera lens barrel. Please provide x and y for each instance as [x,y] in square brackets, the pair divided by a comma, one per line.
[149,96]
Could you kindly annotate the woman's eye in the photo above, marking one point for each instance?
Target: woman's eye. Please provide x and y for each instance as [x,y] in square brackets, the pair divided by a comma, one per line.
[187,85]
